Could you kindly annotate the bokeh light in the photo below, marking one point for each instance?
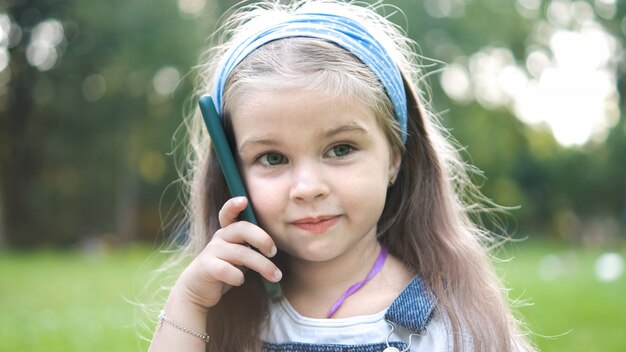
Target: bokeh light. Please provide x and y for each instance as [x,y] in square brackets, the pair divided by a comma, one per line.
[42,51]
[152,166]
[445,8]
[5,29]
[528,8]
[455,81]
[191,7]
[550,267]
[566,81]
[4,58]
[93,87]
[165,80]
[609,267]
[606,9]
[5,34]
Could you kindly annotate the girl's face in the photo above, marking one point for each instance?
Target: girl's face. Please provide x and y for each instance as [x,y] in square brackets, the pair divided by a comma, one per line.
[317,170]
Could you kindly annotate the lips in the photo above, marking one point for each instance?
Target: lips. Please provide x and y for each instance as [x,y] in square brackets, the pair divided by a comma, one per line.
[316,225]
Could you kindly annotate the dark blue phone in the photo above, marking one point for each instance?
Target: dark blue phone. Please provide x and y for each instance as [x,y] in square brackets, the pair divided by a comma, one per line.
[229,167]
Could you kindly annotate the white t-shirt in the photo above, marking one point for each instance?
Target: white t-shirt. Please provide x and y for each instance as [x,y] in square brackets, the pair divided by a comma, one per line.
[409,324]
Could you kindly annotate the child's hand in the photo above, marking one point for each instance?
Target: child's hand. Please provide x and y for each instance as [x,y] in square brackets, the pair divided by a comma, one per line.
[220,265]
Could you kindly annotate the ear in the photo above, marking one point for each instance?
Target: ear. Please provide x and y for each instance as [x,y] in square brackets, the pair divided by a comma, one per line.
[394,166]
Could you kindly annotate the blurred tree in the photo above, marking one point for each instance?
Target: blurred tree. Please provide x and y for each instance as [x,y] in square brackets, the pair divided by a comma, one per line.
[523,165]
[93,93]
[3,235]
[88,123]
[19,132]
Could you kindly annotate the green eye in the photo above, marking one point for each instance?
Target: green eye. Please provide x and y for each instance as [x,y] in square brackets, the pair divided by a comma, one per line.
[340,150]
[271,159]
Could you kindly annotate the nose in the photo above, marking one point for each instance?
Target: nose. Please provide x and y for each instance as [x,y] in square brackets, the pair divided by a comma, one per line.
[308,183]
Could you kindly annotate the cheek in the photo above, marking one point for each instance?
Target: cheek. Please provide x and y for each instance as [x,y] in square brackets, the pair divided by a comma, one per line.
[366,193]
[266,197]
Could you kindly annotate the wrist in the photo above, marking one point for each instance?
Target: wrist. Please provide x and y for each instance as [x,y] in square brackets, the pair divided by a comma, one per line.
[202,336]
[181,325]
[181,302]
[182,315]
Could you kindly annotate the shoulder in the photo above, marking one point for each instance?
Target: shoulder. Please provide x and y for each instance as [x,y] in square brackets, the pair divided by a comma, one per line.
[436,336]
[417,321]
[414,307]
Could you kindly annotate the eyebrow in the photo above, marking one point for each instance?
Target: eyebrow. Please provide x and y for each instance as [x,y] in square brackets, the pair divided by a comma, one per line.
[348,128]
[262,140]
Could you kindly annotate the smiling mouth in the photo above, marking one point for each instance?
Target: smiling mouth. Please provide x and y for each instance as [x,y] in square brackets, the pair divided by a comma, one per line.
[317,224]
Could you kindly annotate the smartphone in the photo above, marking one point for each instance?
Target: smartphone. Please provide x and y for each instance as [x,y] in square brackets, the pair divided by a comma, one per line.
[229,167]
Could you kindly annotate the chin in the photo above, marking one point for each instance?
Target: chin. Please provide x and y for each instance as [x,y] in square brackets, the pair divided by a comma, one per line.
[314,254]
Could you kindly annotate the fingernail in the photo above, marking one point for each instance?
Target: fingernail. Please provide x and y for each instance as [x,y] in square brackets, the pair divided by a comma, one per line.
[239,200]
[273,252]
[277,275]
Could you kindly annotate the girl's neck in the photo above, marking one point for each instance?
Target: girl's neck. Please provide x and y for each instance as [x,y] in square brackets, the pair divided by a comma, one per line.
[348,267]
[320,284]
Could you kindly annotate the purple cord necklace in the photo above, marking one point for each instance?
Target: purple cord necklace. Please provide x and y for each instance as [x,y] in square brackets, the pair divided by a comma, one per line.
[375,269]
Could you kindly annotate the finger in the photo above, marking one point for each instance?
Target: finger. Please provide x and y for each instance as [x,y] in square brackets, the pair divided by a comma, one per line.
[225,272]
[239,255]
[231,209]
[243,232]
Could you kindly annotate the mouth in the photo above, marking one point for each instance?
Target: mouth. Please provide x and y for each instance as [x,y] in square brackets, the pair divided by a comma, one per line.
[318,224]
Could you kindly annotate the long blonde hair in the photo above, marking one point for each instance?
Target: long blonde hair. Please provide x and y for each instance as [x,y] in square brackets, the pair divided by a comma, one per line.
[427,221]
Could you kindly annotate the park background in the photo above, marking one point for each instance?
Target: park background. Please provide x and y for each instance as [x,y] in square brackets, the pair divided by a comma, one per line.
[92,95]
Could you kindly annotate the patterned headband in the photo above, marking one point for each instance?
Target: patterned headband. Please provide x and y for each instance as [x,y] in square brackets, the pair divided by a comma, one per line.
[343,31]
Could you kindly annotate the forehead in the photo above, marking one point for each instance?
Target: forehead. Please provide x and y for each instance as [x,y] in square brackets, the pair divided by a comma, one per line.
[303,63]
[300,109]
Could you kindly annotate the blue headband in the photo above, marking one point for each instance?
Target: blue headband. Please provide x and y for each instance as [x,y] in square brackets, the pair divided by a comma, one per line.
[343,31]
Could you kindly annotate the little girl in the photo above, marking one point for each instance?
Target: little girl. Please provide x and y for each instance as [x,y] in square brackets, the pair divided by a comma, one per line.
[362,202]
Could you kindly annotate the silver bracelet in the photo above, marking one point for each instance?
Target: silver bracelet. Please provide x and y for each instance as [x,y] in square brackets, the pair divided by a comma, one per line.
[162,318]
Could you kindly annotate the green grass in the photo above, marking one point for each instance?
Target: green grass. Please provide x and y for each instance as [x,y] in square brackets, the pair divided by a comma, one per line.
[72,301]
[570,309]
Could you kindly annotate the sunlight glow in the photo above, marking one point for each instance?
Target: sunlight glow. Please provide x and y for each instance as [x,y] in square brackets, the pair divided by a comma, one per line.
[191,7]
[4,58]
[486,67]
[576,95]
[5,32]
[567,81]
[537,62]
[166,80]
[609,267]
[456,83]
[42,50]
[5,29]
[606,8]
